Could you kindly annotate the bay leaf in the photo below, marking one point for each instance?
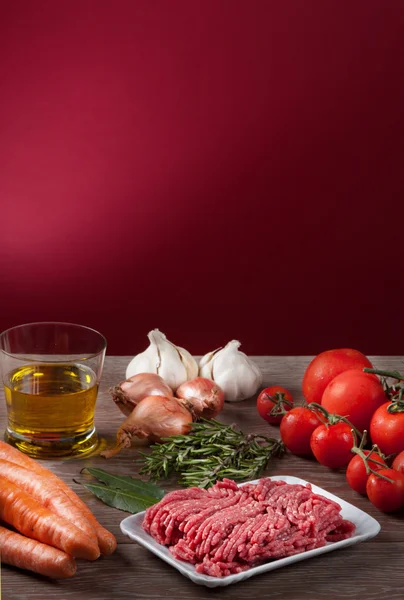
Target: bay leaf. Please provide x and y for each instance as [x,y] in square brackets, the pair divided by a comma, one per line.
[120,499]
[122,491]
[126,482]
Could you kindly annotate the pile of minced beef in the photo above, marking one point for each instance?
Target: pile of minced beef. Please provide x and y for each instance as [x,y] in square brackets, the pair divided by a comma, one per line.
[227,529]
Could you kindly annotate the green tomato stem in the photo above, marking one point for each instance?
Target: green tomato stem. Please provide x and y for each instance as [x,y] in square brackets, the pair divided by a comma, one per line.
[382,373]
[396,406]
[333,419]
[366,458]
[279,402]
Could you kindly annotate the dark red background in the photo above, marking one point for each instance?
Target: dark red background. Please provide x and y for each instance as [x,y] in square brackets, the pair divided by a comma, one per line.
[218,170]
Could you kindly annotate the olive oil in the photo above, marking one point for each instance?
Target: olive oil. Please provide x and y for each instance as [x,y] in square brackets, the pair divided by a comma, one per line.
[51,409]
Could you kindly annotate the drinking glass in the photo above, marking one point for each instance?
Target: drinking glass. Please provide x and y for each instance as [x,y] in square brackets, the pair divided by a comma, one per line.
[51,373]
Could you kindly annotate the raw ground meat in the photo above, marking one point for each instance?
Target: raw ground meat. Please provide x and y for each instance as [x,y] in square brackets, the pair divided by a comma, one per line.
[228,529]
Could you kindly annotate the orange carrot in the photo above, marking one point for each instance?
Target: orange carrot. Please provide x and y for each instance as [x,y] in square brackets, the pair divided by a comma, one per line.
[30,518]
[106,540]
[22,552]
[47,493]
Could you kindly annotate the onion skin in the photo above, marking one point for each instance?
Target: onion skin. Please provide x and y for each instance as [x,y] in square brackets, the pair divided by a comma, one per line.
[155,417]
[130,392]
[205,396]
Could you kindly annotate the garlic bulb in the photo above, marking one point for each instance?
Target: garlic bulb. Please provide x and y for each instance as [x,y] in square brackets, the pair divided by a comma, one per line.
[174,364]
[237,375]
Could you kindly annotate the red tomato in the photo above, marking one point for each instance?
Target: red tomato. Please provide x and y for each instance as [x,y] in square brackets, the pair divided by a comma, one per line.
[356,474]
[387,430]
[355,395]
[398,462]
[327,365]
[386,496]
[296,429]
[332,444]
[272,403]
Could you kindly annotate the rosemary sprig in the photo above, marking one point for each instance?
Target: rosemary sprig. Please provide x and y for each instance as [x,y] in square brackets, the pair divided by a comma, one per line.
[211,451]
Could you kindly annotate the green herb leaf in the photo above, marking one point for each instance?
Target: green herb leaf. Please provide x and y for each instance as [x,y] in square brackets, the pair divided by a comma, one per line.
[123,492]
[127,483]
[211,451]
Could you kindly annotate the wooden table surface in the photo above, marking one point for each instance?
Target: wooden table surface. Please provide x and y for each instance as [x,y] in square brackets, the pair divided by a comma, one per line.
[370,570]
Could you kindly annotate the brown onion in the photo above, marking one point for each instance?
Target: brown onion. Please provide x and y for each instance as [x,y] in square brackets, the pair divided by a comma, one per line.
[130,392]
[155,417]
[205,396]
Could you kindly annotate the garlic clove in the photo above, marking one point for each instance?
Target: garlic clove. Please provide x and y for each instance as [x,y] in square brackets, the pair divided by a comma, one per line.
[171,367]
[173,363]
[237,375]
[146,362]
[206,364]
[236,386]
[189,362]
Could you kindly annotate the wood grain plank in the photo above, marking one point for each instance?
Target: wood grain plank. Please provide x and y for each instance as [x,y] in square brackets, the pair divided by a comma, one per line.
[133,572]
[371,570]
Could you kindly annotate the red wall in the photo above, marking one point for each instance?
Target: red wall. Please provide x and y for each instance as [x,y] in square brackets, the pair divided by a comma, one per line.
[218,170]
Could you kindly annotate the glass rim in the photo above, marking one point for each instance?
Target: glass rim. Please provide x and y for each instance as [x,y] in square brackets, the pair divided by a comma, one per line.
[26,357]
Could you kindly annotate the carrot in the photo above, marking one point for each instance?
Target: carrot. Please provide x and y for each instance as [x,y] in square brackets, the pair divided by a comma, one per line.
[106,540]
[30,518]
[22,552]
[47,493]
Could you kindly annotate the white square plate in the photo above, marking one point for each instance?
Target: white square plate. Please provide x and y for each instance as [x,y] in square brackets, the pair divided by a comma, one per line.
[366,528]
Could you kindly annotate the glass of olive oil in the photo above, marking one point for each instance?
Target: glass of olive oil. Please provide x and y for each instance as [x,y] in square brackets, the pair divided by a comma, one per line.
[51,372]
